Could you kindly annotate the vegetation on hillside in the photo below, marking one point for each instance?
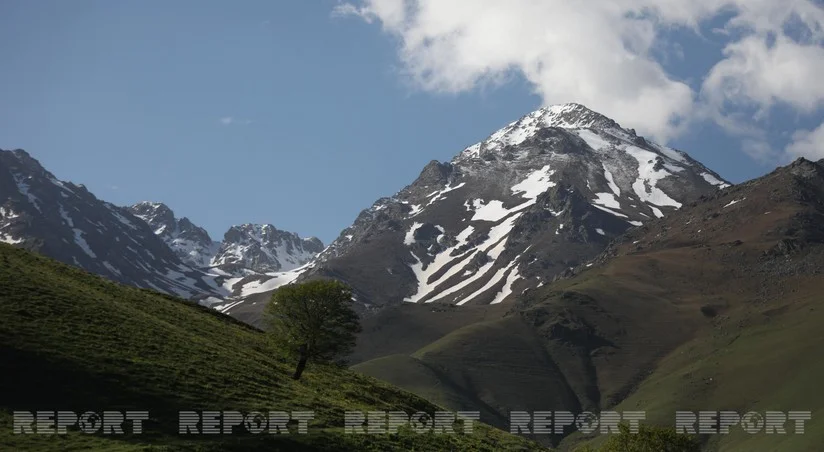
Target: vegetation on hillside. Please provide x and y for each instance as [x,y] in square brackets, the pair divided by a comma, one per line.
[647,439]
[313,321]
[73,341]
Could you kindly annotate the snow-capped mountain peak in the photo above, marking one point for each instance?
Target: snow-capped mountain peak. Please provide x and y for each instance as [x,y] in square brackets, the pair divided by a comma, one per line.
[572,116]
[256,248]
[538,196]
[190,242]
[565,116]
[265,248]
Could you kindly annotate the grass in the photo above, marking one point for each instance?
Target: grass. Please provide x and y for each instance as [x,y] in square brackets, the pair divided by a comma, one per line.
[73,341]
[767,366]
[494,367]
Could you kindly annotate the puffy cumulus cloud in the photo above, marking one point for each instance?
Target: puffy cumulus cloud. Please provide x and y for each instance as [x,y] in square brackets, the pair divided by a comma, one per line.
[762,74]
[602,53]
[567,52]
[809,144]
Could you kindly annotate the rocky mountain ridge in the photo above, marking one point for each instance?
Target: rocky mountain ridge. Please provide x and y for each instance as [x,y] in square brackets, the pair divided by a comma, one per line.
[144,245]
[259,248]
[65,221]
[534,199]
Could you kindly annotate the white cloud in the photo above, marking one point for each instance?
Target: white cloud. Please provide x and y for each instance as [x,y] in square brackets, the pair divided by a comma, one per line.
[754,73]
[759,149]
[602,54]
[808,143]
[229,120]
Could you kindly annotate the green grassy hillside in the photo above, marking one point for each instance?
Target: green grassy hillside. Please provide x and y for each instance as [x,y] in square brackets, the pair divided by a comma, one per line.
[490,367]
[73,341]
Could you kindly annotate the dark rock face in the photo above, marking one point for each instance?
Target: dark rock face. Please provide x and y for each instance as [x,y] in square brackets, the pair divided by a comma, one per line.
[434,173]
[190,242]
[66,222]
[144,245]
[313,245]
[546,193]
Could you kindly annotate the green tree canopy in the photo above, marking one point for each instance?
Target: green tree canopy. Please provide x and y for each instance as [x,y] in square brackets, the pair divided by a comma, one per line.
[313,321]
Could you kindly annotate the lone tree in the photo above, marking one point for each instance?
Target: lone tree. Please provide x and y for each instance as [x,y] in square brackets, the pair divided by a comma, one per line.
[313,321]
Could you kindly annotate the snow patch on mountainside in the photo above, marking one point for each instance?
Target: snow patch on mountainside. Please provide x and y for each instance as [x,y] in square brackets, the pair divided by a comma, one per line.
[611,181]
[510,280]
[409,238]
[607,200]
[81,242]
[492,247]
[535,183]
[23,188]
[648,176]
[593,140]
[438,195]
[734,202]
[714,180]
[423,275]
[11,240]
[492,211]
[276,280]
[493,251]
[8,214]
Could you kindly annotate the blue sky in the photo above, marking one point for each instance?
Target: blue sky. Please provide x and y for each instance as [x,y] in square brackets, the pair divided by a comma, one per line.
[285,113]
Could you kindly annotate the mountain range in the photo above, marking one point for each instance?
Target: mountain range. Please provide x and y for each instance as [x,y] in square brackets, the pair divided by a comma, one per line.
[261,248]
[562,263]
[143,245]
[512,212]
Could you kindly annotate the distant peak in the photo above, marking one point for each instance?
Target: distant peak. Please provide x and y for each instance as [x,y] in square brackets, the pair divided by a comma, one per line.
[263,229]
[21,153]
[151,204]
[254,226]
[154,213]
[25,160]
[313,243]
[572,116]
[801,161]
[568,106]
[17,153]
[806,168]
[564,116]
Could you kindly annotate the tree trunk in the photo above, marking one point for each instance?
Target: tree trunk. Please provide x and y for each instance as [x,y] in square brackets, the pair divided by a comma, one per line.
[301,363]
